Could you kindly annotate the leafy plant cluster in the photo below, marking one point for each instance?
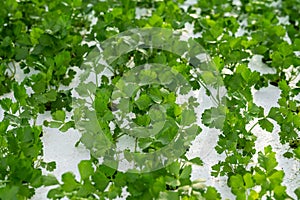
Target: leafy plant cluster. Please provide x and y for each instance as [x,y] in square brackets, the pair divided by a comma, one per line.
[47,39]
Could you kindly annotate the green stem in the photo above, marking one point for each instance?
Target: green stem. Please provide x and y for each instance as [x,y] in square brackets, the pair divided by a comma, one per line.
[213,98]
[13,72]
[135,145]
[119,136]
[253,126]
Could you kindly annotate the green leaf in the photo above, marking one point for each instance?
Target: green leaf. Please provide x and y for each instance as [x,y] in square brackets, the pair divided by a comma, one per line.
[67,126]
[219,62]
[244,71]
[209,78]
[253,194]
[261,49]
[171,181]
[53,124]
[285,49]
[266,124]
[211,194]
[144,142]
[147,76]
[54,193]
[101,181]
[86,89]
[158,186]
[297,192]
[259,178]
[296,120]
[143,102]
[9,192]
[267,160]
[36,179]
[69,182]
[155,20]
[275,114]
[188,117]
[168,195]
[20,93]
[62,61]
[155,95]
[59,115]
[297,152]
[276,177]
[214,117]
[51,95]
[21,53]
[40,85]
[284,86]
[174,168]
[51,166]
[288,155]
[142,120]
[279,191]
[35,35]
[279,30]
[86,189]
[77,3]
[196,161]
[186,172]
[49,180]
[6,103]
[3,126]
[236,181]
[248,180]
[86,169]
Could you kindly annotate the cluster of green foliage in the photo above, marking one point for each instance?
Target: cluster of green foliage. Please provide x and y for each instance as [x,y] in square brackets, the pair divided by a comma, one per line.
[47,38]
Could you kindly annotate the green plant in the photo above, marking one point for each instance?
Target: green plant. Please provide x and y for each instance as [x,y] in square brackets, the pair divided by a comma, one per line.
[44,40]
